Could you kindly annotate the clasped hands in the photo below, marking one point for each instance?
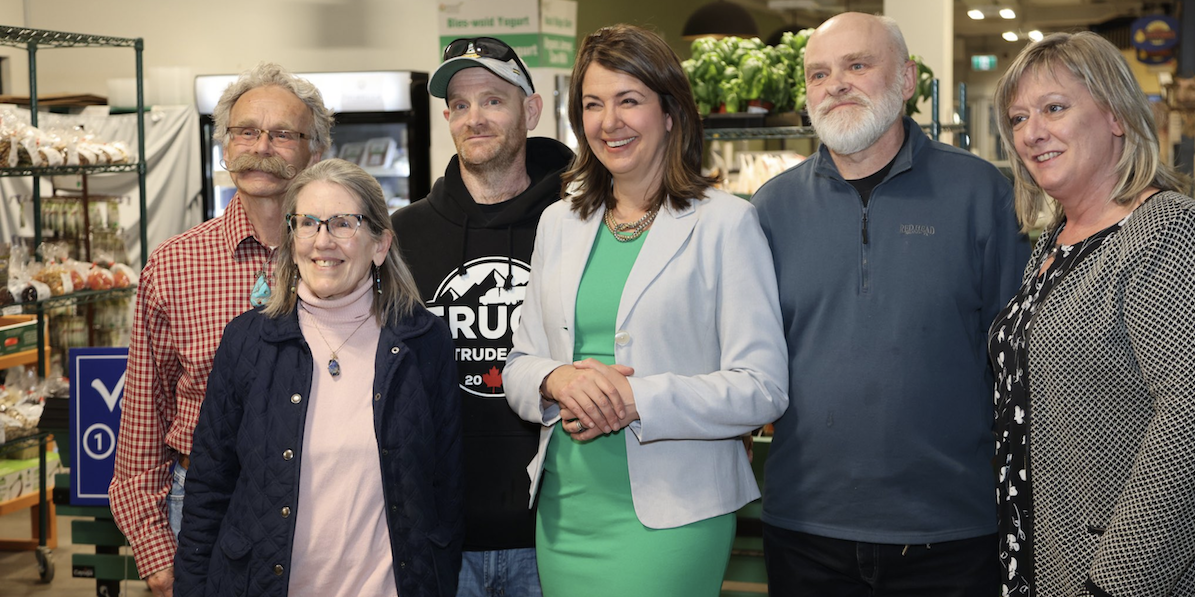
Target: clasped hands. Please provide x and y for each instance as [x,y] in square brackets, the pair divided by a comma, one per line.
[596,395]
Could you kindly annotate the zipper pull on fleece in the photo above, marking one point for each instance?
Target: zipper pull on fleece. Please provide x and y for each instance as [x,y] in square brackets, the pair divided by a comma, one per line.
[865,226]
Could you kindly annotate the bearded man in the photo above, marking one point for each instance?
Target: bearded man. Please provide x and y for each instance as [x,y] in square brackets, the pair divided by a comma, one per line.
[893,253]
[271,126]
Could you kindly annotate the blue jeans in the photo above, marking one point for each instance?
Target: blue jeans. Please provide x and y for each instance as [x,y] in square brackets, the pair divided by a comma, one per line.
[174,500]
[800,564]
[501,573]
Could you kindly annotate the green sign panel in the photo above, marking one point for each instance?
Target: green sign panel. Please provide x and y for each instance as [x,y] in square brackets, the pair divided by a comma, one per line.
[543,32]
[536,49]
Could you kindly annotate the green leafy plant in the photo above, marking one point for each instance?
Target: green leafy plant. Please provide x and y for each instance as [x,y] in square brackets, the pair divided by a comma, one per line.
[726,74]
[706,70]
[792,49]
[925,78]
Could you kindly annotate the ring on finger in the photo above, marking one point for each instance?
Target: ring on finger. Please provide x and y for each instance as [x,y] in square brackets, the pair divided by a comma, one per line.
[580,426]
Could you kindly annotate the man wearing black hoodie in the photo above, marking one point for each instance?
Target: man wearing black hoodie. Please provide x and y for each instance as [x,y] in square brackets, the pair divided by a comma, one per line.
[469,245]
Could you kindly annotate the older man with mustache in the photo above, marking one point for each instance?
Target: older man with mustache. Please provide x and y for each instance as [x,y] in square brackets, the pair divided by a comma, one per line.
[271,125]
[893,254]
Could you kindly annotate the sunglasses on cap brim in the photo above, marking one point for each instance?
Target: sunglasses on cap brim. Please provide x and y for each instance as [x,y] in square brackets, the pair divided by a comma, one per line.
[485,47]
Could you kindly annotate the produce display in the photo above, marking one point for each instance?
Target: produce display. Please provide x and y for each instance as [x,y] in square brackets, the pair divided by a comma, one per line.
[732,74]
[729,73]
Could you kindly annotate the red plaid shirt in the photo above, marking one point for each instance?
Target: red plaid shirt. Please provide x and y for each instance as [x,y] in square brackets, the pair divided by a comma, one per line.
[192,286]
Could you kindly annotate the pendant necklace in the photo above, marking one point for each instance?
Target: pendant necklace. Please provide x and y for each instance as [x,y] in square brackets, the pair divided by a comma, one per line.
[630,231]
[334,362]
[261,287]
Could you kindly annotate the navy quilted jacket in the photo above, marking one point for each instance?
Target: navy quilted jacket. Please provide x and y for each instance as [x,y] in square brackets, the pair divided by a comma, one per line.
[235,539]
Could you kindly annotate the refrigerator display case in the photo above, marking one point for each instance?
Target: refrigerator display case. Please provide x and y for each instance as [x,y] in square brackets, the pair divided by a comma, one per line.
[382,124]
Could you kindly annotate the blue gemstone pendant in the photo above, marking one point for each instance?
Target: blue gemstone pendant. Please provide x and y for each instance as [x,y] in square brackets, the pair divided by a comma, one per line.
[261,291]
[334,366]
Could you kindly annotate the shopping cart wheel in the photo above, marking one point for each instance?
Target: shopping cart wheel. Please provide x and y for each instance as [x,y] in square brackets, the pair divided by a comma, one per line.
[45,564]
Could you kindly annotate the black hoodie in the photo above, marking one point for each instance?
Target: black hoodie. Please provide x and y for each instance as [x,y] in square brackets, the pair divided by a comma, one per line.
[471,263]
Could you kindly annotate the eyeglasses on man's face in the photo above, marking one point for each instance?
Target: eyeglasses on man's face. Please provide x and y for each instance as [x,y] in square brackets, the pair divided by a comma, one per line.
[247,135]
[339,225]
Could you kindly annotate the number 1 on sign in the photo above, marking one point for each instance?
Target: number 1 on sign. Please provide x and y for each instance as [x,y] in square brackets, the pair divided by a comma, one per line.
[102,434]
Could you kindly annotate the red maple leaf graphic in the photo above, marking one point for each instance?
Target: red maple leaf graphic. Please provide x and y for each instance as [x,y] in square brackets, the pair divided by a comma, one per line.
[493,379]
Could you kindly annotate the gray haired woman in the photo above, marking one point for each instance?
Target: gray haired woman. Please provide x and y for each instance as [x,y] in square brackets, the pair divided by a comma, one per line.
[348,379]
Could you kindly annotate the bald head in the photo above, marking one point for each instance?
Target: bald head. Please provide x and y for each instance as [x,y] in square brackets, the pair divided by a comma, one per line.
[857,79]
[880,30]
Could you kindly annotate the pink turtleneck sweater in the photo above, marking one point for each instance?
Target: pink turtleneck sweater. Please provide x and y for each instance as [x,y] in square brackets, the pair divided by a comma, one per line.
[342,544]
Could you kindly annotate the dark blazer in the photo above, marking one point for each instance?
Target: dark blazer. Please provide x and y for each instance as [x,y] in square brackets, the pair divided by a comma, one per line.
[234,540]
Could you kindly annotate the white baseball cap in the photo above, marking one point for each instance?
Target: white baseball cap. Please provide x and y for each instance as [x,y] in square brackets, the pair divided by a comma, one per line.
[492,54]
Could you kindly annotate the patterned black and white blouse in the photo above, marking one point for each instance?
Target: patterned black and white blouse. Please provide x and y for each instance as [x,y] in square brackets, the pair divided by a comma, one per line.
[1007,347]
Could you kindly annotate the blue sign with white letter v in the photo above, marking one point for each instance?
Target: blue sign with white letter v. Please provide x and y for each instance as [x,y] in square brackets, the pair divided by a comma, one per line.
[97,386]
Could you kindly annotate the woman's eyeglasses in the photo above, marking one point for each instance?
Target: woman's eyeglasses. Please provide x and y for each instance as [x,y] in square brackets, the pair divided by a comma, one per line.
[339,225]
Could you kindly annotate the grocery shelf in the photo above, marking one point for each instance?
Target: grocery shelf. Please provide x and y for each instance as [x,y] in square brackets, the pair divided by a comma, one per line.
[934,128]
[43,517]
[32,40]
[65,170]
[23,36]
[762,132]
[791,132]
[18,359]
[80,297]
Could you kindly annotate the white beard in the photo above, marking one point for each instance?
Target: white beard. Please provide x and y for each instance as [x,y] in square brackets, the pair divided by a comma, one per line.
[854,129]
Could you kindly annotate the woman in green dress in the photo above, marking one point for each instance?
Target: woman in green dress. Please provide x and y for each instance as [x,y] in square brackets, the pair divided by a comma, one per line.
[650,340]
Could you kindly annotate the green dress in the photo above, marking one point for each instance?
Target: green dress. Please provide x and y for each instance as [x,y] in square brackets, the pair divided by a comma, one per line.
[589,541]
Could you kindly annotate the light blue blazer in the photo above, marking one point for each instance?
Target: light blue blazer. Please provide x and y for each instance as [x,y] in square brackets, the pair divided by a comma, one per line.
[699,321]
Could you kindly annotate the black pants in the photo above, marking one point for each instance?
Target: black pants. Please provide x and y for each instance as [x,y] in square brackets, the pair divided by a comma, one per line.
[800,564]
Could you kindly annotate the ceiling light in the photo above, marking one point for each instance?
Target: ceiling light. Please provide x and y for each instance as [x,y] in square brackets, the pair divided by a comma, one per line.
[1009,36]
[1007,13]
[1035,35]
[975,14]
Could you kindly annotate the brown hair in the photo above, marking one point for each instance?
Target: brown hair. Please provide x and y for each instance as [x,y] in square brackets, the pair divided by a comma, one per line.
[399,295]
[645,56]
[1102,70]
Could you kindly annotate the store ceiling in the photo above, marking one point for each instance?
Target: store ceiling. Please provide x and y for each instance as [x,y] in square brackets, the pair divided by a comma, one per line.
[1043,15]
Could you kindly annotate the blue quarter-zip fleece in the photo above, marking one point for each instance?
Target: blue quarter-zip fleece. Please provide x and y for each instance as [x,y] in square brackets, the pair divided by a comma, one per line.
[888,436]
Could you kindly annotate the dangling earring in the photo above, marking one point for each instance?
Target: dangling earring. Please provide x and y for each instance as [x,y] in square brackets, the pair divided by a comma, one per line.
[377,279]
[294,282]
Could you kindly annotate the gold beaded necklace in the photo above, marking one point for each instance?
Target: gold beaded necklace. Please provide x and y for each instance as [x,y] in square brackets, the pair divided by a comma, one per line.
[630,231]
